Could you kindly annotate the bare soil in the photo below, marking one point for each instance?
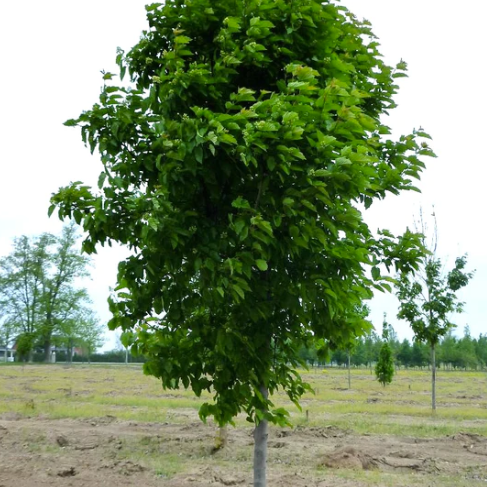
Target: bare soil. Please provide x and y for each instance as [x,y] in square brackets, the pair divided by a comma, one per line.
[37,452]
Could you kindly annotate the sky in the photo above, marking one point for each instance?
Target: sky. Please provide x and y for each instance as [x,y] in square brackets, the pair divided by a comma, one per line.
[53,51]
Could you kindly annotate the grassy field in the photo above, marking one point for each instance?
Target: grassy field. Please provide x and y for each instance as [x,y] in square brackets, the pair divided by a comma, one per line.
[403,407]
[126,424]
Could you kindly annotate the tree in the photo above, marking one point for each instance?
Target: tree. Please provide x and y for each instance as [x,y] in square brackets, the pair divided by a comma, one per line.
[404,354]
[448,350]
[372,344]
[21,276]
[6,334]
[233,167]
[427,300]
[80,328]
[420,354]
[360,313]
[466,351]
[481,350]
[384,369]
[38,286]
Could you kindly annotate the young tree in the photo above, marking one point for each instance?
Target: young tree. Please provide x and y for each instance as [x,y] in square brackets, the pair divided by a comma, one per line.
[233,167]
[384,369]
[427,301]
[359,313]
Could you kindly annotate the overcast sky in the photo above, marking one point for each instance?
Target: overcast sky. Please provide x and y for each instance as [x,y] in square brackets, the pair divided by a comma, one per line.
[52,55]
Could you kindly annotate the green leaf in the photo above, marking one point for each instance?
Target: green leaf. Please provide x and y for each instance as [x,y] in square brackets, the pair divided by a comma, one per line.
[238,290]
[375,273]
[71,122]
[261,264]
[241,203]
[182,40]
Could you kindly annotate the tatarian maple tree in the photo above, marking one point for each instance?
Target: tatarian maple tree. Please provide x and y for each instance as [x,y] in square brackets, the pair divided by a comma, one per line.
[235,165]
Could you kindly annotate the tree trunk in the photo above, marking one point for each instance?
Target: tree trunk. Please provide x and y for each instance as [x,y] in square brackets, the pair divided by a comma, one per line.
[260,448]
[348,366]
[221,438]
[433,378]
[47,351]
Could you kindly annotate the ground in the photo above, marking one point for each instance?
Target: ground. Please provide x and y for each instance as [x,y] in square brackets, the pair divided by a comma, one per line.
[52,436]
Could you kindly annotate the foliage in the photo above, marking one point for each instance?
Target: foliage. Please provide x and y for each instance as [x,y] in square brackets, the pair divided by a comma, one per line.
[7,329]
[38,291]
[453,352]
[111,356]
[83,330]
[404,353]
[384,369]
[233,168]
[428,299]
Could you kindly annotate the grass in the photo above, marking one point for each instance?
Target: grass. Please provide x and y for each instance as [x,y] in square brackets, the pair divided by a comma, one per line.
[403,407]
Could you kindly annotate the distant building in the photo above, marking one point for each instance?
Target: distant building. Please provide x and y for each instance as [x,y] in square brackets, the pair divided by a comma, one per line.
[6,354]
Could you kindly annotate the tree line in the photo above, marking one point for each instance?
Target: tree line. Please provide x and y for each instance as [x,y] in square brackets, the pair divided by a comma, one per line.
[41,302]
[453,352]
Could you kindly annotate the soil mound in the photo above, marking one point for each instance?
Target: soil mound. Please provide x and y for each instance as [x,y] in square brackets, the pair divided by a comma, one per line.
[349,457]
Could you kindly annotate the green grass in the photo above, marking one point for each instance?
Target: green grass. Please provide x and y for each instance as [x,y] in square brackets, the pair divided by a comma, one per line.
[403,408]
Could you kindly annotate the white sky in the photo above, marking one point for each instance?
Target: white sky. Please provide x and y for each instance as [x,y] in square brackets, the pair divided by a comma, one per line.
[52,53]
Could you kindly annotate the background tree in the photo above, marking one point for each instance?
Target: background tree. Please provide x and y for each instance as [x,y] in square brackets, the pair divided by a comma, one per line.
[448,350]
[404,353]
[38,287]
[372,344]
[80,328]
[384,369]
[466,350]
[233,167]
[59,297]
[359,355]
[428,299]
[481,350]
[21,278]
[7,328]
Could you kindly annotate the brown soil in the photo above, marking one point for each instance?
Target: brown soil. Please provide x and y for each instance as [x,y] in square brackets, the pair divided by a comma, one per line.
[39,452]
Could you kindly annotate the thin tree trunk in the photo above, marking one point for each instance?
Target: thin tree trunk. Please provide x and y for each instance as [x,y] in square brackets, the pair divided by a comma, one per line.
[260,448]
[348,366]
[221,438]
[433,379]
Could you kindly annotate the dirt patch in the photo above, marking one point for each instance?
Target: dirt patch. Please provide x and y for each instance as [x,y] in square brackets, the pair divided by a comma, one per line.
[349,457]
[108,452]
